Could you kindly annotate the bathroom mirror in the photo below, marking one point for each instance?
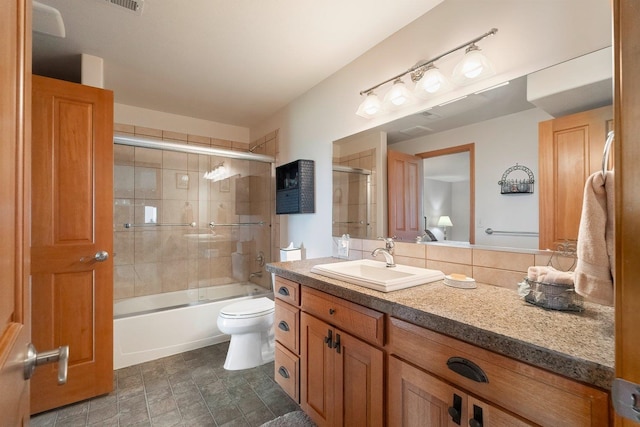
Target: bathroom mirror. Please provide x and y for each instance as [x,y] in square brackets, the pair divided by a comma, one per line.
[503,126]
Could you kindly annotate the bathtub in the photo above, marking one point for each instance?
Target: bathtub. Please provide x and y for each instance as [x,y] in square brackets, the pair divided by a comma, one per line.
[150,327]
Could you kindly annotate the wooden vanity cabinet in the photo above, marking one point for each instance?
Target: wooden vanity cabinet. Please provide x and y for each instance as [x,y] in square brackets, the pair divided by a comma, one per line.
[341,376]
[287,334]
[421,379]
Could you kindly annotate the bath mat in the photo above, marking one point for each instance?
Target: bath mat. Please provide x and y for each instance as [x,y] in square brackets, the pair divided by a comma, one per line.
[292,419]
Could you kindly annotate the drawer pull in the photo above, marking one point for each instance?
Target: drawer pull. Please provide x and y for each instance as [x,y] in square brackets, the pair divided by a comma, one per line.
[328,340]
[284,326]
[476,421]
[331,311]
[283,291]
[467,369]
[455,411]
[283,372]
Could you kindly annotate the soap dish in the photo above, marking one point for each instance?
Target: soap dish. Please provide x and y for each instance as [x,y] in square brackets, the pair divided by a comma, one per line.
[466,283]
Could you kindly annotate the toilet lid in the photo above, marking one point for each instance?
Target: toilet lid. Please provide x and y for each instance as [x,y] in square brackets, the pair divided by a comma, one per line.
[251,307]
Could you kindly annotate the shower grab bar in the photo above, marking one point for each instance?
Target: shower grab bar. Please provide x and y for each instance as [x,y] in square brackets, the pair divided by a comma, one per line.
[129,225]
[512,233]
[235,224]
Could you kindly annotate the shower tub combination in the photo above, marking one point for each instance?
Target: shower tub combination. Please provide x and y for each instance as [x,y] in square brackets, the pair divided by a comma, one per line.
[154,326]
[150,327]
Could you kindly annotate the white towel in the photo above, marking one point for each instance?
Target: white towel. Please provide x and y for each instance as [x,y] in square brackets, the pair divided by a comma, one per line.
[595,267]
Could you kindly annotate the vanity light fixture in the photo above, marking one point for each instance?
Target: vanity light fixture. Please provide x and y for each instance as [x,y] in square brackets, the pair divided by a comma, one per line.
[473,66]
[429,79]
[398,95]
[370,106]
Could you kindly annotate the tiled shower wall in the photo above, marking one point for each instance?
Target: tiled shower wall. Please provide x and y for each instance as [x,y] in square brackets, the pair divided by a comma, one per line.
[350,196]
[168,188]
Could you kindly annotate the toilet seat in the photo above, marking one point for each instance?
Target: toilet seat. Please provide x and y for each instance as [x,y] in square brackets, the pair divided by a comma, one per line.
[248,308]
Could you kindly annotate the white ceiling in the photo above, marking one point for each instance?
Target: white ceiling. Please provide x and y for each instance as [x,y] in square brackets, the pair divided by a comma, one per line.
[230,61]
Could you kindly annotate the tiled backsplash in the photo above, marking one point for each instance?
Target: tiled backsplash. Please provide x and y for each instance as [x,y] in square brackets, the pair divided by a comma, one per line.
[497,267]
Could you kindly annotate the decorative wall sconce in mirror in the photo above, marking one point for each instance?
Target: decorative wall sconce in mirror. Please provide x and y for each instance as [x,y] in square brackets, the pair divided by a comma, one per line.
[429,80]
[516,186]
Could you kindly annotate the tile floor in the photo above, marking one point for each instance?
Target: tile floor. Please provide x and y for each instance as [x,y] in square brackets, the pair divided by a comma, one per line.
[188,389]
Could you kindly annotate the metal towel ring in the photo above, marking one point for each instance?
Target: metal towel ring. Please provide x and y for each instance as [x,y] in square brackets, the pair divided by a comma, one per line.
[605,155]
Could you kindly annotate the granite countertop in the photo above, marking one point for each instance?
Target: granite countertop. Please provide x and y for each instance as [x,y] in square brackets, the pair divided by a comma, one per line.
[579,346]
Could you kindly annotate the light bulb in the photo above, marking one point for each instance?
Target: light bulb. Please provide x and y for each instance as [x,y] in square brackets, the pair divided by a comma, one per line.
[398,95]
[432,80]
[472,66]
[370,106]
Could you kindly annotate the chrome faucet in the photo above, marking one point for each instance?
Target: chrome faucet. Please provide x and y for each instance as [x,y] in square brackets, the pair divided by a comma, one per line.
[387,251]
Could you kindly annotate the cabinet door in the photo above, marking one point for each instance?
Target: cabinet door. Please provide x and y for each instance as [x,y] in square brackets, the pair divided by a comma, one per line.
[416,398]
[570,149]
[359,382]
[317,370]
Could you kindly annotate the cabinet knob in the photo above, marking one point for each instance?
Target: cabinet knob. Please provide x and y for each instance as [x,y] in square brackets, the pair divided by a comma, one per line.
[331,311]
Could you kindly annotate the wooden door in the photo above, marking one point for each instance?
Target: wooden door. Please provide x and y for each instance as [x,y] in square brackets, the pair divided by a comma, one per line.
[404,180]
[15,70]
[359,388]
[317,371]
[627,169]
[416,399]
[570,150]
[72,220]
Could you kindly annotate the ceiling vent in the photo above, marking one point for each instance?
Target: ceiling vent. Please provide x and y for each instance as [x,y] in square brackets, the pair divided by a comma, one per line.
[134,6]
[416,130]
[430,116]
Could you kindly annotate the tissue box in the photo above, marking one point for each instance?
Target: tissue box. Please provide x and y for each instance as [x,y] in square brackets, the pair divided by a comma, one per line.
[290,254]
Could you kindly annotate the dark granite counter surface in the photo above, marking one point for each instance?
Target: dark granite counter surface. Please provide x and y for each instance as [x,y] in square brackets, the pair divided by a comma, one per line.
[579,346]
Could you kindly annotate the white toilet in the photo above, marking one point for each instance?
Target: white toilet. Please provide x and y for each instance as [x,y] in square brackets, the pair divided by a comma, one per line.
[250,324]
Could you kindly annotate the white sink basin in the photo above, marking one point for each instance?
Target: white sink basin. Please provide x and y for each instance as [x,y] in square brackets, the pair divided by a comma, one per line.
[376,275]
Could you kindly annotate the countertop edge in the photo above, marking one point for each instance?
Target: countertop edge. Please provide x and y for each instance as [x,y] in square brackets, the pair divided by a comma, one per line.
[569,366]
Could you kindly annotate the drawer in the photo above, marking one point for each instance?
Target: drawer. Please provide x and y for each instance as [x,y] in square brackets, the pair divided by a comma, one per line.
[287,371]
[362,322]
[287,290]
[287,325]
[533,393]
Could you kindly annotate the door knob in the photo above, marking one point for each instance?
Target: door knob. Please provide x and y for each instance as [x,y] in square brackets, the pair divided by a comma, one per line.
[60,355]
[100,256]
